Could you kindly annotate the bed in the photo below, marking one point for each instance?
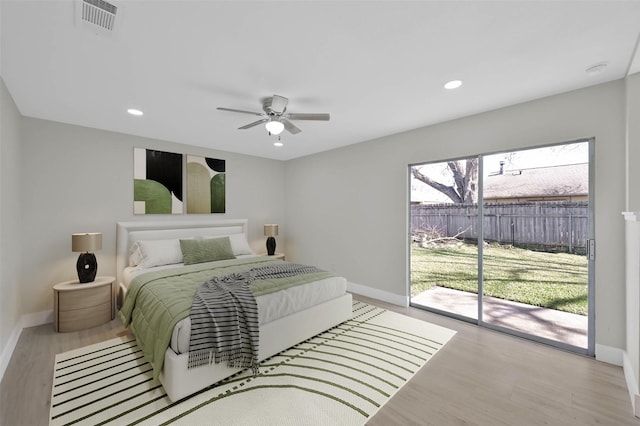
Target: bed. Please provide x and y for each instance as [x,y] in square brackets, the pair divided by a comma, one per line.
[286,317]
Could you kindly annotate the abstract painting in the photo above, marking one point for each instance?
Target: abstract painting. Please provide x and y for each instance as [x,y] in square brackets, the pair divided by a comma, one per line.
[157,177]
[205,185]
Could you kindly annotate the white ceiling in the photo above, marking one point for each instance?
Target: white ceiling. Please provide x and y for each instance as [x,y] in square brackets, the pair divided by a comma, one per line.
[377,66]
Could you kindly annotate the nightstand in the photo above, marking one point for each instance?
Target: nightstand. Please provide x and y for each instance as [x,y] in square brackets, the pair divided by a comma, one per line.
[278,256]
[77,306]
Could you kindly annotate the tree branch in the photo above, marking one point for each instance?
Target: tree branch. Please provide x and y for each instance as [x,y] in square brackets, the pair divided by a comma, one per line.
[449,191]
[455,237]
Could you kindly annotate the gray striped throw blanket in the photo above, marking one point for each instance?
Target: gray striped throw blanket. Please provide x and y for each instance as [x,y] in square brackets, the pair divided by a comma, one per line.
[224,317]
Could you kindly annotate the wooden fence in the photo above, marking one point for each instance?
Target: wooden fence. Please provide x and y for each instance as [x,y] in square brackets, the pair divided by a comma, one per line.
[542,225]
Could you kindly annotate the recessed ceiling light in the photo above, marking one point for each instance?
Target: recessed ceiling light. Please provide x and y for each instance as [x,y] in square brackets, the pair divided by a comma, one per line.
[453,84]
[134,111]
[278,144]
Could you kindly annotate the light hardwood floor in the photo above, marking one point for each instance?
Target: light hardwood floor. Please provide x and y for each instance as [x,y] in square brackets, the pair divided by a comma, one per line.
[481,377]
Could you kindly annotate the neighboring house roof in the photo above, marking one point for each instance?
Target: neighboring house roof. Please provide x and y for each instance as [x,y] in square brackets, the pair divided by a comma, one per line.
[567,180]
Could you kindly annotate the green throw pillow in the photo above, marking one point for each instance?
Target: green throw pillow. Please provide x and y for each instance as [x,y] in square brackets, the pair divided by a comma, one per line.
[199,251]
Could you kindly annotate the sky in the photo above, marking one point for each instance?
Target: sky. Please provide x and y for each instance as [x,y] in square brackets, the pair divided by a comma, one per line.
[539,157]
[556,155]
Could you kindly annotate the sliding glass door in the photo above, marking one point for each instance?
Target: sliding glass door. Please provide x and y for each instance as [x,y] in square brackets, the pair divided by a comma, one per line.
[444,231]
[503,240]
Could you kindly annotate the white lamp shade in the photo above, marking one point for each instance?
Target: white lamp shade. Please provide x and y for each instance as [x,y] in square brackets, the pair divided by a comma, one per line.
[270,230]
[87,242]
[274,127]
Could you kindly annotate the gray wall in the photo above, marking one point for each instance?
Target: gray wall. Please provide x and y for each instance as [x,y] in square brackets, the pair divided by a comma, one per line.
[9,215]
[347,209]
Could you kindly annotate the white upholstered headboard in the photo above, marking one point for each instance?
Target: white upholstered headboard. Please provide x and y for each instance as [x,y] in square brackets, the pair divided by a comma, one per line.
[129,232]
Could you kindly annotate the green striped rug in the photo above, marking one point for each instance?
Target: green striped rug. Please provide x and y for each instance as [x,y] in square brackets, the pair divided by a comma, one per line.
[340,377]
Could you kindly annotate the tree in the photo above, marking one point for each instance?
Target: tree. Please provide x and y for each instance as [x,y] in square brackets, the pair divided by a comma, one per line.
[465,180]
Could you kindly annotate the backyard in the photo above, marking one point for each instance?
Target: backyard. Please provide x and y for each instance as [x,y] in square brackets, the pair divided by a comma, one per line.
[551,280]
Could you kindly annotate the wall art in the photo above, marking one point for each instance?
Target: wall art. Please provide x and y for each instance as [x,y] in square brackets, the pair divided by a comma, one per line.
[157,177]
[205,185]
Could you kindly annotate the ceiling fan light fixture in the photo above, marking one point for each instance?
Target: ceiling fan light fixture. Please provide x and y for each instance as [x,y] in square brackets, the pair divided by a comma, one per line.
[274,127]
[274,117]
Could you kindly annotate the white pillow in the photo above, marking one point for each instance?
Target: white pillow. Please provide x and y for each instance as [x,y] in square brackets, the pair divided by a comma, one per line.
[239,244]
[135,255]
[149,253]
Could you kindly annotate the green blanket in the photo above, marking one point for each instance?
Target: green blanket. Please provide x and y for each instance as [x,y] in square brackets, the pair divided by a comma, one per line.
[157,301]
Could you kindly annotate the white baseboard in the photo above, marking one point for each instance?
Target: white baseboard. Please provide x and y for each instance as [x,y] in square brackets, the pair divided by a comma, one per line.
[632,384]
[610,355]
[25,321]
[8,349]
[375,293]
[37,318]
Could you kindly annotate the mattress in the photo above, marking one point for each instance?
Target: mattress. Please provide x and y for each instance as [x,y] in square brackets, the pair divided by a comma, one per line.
[271,306]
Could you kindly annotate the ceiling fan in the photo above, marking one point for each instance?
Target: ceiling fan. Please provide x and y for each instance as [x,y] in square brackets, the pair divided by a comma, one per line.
[276,118]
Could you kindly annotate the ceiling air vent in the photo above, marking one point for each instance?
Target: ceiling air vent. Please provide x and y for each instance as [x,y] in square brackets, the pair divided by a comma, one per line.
[98,12]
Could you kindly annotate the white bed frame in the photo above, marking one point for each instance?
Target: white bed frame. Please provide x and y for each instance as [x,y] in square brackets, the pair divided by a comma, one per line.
[275,336]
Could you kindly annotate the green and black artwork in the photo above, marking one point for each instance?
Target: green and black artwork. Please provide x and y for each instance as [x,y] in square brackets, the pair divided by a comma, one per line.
[157,182]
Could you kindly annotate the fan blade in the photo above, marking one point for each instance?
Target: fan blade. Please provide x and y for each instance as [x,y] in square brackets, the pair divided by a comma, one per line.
[255,123]
[308,116]
[290,126]
[279,104]
[239,110]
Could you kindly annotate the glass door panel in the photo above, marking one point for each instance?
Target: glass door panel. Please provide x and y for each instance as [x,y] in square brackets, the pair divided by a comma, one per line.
[535,208]
[444,234]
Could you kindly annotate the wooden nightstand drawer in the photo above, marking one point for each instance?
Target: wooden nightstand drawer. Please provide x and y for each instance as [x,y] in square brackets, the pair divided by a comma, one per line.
[80,299]
[79,306]
[81,319]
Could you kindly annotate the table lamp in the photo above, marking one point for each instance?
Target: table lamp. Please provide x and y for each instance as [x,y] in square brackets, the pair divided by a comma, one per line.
[270,231]
[86,244]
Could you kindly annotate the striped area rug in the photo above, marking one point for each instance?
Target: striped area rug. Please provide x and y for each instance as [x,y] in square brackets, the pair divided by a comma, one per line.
[340,377]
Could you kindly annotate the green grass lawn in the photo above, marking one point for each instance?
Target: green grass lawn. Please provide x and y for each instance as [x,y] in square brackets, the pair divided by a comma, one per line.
[551,280]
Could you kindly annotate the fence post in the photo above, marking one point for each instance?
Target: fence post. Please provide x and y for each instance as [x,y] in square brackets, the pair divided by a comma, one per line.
[446,218]
[513,233]
[570,233]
